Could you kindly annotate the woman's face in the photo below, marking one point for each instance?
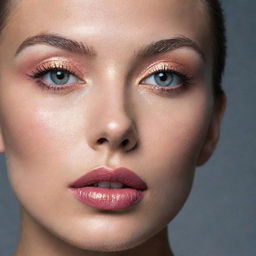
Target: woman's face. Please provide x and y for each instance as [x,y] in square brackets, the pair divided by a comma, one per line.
[51,136]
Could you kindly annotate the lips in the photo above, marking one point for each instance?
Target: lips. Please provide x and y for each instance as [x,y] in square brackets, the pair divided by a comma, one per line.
[122,175]
[131,194]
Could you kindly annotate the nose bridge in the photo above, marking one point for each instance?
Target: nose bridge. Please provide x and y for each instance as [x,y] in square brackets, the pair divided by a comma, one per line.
[114,126]
[116,119]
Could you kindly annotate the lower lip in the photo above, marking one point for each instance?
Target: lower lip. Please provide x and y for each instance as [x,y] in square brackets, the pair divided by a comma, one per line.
[108,199]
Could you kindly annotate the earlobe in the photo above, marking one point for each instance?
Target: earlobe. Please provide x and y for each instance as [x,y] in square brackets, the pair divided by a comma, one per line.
[213,131]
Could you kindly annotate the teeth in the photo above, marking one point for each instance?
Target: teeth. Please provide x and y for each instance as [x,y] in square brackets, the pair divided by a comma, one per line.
[116,185]
[106,184]
[103,184]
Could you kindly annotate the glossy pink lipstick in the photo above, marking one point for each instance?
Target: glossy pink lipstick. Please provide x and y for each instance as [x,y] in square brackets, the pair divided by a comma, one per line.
[121,189]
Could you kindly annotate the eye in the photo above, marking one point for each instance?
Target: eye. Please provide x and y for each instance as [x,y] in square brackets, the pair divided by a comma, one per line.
[59,77]
[164,79]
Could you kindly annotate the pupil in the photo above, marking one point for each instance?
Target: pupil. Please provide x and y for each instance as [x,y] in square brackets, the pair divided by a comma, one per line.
[163,76]
[60,75]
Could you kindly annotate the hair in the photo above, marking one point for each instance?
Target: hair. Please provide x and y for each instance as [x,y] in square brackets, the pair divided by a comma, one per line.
[218,29]
[4,10]
[219,43]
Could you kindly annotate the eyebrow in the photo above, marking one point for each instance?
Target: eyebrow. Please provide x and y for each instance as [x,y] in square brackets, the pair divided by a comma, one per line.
[167,45]
[81,48]
[59,42]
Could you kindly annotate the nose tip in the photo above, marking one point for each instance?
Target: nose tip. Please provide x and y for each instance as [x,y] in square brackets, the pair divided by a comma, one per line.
[115,135]
[125,144]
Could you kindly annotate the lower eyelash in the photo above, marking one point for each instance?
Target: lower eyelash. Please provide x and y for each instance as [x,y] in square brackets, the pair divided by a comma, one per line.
[54,88]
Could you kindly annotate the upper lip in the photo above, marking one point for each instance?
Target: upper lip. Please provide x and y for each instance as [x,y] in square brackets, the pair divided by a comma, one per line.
[121,174]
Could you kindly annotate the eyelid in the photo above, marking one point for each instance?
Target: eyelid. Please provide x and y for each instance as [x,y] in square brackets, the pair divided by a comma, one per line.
[177,69]
[160,66]
[59,64]
[47,66]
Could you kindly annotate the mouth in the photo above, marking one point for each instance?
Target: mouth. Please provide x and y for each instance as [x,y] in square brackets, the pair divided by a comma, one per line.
[109,185]
[107,178]
[107,189]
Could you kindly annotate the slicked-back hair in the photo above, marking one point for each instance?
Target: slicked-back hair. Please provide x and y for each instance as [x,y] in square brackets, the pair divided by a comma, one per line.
[4,10]
[219,42]
[218,36]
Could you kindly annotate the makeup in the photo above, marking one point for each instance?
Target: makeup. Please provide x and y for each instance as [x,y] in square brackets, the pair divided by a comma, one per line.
[53,68]
[166,78]
[107,189]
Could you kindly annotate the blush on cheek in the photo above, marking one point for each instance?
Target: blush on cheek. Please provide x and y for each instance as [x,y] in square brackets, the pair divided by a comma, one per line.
[37,134]
[24,135]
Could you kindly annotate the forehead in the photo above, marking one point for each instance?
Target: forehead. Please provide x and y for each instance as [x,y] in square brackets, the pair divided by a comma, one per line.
[112,23]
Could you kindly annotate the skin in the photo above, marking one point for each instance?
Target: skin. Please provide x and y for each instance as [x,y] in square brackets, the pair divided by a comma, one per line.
[51,139]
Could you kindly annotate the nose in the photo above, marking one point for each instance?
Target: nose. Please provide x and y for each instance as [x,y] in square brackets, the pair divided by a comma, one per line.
[111,127]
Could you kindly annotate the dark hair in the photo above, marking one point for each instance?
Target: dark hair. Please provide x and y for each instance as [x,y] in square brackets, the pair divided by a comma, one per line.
[4,10]
[219,37]
[219,43]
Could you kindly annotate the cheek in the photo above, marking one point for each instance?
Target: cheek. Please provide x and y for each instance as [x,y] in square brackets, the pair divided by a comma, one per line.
[33,133]
[40,138]
[37,127]
[173,140]
[176,130]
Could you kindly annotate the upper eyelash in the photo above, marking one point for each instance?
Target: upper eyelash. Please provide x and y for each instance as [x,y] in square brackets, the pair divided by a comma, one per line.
[187,80]
[164,68]
[43,69]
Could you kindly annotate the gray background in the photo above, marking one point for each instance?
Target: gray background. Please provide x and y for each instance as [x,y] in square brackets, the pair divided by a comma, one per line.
[219,217]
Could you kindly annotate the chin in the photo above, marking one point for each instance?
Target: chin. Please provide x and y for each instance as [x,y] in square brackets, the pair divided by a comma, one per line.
[111,243]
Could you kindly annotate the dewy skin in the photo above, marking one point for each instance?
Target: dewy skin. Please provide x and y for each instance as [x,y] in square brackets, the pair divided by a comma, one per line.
[106,110]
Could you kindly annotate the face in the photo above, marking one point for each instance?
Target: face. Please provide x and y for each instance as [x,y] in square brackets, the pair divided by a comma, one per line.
[51,120]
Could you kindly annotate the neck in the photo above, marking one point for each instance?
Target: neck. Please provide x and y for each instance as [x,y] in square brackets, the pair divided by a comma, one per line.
[36,240]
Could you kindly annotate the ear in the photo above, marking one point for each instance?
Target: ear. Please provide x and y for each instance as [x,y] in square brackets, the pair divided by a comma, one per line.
[214,130]
[2,148]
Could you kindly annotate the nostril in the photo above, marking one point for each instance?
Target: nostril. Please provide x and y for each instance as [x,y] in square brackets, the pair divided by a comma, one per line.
[125,142]
[101,140]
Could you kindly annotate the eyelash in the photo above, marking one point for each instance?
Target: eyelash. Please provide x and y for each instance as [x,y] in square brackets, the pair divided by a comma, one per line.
[185,78]
[165,91]
[46,68]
